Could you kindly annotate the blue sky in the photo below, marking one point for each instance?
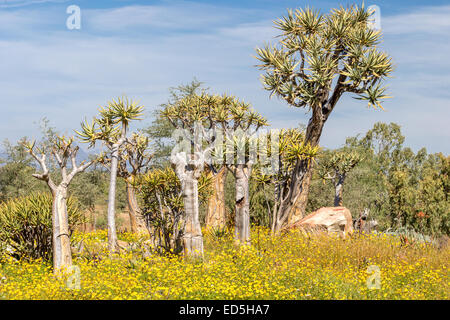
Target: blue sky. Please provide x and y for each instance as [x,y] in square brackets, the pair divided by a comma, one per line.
[141,48]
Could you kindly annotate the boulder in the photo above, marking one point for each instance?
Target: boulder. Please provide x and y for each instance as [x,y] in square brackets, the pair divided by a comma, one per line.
[330,219]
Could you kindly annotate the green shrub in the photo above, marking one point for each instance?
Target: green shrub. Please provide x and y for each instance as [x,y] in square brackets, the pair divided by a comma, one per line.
[26,225]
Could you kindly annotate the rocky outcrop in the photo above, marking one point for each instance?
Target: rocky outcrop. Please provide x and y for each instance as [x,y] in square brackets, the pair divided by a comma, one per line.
[330,219]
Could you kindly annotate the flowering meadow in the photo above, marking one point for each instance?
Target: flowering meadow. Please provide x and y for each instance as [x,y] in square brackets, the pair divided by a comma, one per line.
[288,266]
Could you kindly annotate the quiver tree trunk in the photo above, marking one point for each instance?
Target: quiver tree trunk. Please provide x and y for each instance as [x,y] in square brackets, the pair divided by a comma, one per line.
[192,236]
[216,214]
[188,171]
[242,207]
[136,221]
[298,212]
[111,219]
[63,150]
[293,192]
[339,189]
[62,255]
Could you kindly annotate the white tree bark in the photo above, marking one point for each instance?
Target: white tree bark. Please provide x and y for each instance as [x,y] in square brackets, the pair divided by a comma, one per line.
[62,255]
[188,171]
[242,207]
[111,219]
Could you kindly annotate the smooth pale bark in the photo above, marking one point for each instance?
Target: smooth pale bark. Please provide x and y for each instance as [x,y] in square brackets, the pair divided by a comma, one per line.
[136,222]
[62,255]
[242,207]
[111,219]
[216,214]
[188,171]
[192,236]
[339,188]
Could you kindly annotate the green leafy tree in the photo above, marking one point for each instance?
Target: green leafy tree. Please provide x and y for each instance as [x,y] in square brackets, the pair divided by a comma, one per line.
[385,141]
[15,172]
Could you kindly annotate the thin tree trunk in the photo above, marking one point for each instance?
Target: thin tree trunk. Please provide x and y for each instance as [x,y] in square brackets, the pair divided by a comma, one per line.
[111,219]
[136,221]
[192,236]
[62,255]
[242,207]
[94,218]
[216,214]
[339,188]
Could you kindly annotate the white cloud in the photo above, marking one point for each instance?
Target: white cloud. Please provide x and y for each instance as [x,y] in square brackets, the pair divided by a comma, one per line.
[23,3]
[429,20]
[65,75]
[174,15]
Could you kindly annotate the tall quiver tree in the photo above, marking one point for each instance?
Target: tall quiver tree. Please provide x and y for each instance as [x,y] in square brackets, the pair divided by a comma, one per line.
[287,147]
[336,168]
[216,211]
[234,125]
[111,129]
[188,159]
[240,123]
[134,161]
[318,59]
[63,150]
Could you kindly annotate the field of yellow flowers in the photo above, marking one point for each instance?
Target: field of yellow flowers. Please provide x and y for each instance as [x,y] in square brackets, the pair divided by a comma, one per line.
[291,266]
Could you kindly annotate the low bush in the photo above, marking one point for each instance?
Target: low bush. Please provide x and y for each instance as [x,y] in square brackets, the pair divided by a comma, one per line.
[26,225]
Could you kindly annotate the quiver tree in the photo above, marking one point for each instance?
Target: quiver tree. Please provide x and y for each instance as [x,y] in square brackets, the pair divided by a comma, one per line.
[211,124]
[163,207]
[209,121]
[188,159]
[318,59]
[234,125]
[289,147]
[335,168]
[134,159]
[64,153]
[239,124]
[188,168]
[111,128]
[216,211]
[161,131]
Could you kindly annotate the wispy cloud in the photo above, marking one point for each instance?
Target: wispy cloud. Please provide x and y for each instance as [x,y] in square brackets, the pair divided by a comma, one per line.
[141,51]
[22,3]
[426,20]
